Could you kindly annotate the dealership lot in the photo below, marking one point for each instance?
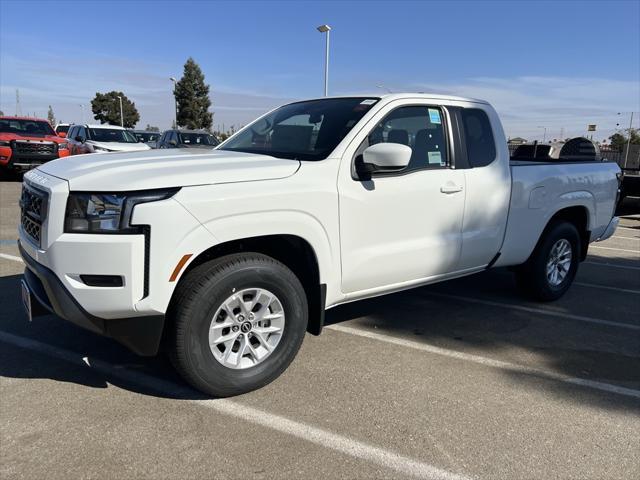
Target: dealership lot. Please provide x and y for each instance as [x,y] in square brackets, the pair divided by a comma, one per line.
[463,379]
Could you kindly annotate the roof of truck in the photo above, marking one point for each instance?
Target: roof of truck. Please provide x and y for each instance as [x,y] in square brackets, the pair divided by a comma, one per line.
[34,119]
[403,95]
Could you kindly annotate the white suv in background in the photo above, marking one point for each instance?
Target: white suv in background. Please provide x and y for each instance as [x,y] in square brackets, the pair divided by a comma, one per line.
[102,139]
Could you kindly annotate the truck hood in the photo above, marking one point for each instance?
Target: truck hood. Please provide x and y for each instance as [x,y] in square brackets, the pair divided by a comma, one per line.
[5,136]
[165,168]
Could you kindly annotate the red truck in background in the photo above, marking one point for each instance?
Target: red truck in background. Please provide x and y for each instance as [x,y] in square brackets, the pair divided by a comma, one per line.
[26,143]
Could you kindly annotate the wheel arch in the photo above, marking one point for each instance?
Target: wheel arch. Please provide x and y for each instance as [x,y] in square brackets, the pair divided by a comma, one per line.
[294,251]
[577,215]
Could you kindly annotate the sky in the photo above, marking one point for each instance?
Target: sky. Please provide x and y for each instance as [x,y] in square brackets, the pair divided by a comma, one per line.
[558,64]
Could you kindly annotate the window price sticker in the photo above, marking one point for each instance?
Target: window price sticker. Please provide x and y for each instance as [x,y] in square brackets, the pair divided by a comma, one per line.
[435,158]
[434,115]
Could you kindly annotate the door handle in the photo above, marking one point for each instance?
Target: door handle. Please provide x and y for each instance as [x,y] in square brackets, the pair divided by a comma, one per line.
[450,188]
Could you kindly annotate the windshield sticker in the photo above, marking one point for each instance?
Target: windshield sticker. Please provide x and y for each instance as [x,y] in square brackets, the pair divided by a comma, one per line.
[369,101]
[435,158]
[434,115]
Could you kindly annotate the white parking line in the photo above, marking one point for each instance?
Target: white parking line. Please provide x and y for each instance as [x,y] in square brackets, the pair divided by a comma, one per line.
[6,256]
[324,438]
[489,362]
[604,287]
[612,265]
[625,238]
[615,249]
[541,311]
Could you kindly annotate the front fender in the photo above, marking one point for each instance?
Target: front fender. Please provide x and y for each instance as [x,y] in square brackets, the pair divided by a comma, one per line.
[283,222]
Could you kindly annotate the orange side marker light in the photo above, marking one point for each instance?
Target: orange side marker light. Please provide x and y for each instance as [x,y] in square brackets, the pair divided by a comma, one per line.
[178,269]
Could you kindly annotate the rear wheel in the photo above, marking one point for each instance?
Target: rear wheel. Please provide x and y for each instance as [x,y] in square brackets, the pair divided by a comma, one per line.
[239,322]
[553,265]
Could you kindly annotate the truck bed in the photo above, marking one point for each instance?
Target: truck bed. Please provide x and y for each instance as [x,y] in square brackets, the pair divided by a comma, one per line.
[539,189]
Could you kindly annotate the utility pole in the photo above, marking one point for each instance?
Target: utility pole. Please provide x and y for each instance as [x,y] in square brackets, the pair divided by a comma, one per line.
[626,155]
[18,108]
[175,102]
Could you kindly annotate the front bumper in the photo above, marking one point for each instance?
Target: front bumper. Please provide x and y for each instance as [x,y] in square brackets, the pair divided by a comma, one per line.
[610,230]
[140,334]
[27,161]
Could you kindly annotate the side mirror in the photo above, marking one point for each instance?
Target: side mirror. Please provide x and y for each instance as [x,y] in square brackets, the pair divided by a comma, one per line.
[383,157]
[79,139]
[62,134]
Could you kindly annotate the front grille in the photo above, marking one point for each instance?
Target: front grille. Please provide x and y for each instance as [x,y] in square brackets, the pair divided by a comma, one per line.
[33,209]
[22,147]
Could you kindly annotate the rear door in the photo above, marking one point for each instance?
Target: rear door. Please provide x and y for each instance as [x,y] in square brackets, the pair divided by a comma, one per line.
[488,183]
[402,227]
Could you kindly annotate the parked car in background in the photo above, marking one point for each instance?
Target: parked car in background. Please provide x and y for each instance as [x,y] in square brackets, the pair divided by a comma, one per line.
[101,139]
[62,129]
[187,139]
[26,143]
[227,257]
[150,138]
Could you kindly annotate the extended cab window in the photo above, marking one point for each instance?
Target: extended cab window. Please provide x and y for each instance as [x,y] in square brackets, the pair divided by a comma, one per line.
[481,147]
[418,127]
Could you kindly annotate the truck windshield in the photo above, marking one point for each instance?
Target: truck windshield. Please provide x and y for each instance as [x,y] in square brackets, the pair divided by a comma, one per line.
[308,130]
[147,136]
[192,139]
[25,127]
[111,135]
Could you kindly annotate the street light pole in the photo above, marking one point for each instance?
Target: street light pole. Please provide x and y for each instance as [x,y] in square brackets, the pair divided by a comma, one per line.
[544,135]
[175,102]
[626,155]
[326,29]
[121,114]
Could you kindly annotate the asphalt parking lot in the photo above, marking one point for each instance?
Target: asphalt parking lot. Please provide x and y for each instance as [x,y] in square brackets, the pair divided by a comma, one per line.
[464,379]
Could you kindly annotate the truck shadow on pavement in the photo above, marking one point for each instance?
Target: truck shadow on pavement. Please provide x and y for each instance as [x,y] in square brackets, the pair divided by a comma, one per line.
[436,315]
[485,315]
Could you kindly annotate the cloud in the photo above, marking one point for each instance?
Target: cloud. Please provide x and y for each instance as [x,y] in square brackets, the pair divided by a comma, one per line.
[524,103]
[43,80]
[527,103]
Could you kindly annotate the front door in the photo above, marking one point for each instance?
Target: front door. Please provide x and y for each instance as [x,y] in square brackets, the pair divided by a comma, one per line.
[405,226]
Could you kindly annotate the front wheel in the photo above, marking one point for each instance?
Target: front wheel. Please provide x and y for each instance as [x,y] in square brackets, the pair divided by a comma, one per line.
[239,321]
[553,265]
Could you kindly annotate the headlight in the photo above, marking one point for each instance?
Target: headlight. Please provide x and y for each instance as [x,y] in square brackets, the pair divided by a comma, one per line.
[107,212]
[100,149]
[62,146]
[5,144]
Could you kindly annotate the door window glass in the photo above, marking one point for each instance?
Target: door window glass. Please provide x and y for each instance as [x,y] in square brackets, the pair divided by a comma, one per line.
[418,127]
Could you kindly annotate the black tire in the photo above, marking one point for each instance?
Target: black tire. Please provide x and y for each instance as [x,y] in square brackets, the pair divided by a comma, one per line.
[196,301]
[531,277]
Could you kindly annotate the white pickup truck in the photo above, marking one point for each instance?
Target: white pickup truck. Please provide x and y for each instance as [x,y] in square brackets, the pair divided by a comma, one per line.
[226,257]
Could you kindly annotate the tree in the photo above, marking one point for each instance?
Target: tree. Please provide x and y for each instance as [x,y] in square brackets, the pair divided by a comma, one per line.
[619,140]
[192,96]
[151,128]
[1,113]
[51,117]
[106,109]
